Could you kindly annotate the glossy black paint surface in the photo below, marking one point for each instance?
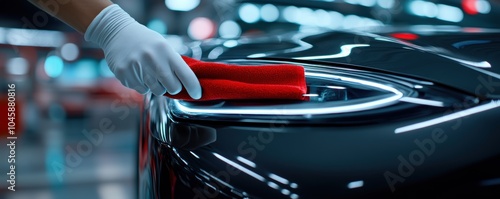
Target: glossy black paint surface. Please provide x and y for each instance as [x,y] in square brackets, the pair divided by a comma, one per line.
[440,54]
[346,155]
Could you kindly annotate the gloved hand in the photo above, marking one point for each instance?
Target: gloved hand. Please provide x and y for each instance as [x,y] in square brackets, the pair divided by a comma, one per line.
[139,57]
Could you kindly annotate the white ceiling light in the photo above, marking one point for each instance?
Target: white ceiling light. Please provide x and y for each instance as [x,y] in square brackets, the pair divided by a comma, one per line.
[17,66]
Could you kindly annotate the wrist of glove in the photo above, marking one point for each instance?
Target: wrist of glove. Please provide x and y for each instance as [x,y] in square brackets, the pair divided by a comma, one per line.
[139,57]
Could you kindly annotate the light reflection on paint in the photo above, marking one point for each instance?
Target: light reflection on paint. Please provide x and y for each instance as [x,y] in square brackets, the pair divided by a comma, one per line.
[446,118]
[355,184]
[345,50]
[422,101]
[241,168]
[305,111]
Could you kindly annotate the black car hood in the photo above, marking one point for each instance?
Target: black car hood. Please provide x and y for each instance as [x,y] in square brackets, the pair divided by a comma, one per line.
[466,59]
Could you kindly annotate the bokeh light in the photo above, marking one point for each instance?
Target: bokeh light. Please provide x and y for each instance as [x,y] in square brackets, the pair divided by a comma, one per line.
[367,3]
[182,5]
[387,4]
[69,51]
[249,13]
[104,69]
[201,28]
[53,66]
[450,13]
[336,19]
[290,13]
[85,69]
[229,29]
[17,66]
[269,13]
[438,11]
[158,25]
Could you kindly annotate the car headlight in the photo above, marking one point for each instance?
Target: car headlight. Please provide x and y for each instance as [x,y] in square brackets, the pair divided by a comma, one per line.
[334,92]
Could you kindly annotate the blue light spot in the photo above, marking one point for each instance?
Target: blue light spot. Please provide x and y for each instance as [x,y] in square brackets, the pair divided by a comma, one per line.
[104,69]
[85,69]
[158,26]
[53,66]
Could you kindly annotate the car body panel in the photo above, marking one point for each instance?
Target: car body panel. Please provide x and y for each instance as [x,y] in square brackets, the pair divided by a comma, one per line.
[403,150]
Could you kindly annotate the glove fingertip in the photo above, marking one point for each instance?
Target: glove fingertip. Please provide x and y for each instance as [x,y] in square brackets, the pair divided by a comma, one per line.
[176,91]
[196,97]
[196,94]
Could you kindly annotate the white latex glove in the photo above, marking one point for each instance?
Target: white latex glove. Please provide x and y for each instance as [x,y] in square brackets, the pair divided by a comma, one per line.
[139,57]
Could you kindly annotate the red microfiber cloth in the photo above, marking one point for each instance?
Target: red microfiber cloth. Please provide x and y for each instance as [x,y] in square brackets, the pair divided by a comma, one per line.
[220,81]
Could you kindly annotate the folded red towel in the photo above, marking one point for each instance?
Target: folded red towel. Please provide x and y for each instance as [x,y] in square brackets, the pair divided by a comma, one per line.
[220,81]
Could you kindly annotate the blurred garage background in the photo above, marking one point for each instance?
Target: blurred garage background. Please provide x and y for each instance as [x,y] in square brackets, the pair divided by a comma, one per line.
[65,93]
